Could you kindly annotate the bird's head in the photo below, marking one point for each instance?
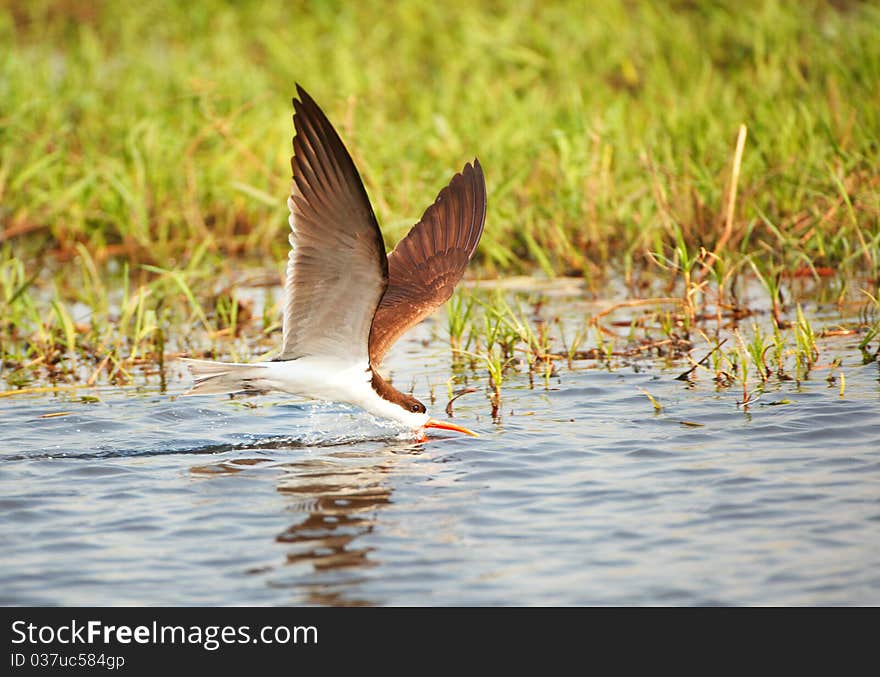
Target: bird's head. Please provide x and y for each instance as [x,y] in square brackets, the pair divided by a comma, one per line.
[407,410]
[417,417]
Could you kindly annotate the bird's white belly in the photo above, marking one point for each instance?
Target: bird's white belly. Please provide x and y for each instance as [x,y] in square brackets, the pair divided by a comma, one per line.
[322,379]
[334,380]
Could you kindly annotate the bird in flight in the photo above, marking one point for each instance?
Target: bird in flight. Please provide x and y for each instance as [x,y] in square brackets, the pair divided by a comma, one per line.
[345,301]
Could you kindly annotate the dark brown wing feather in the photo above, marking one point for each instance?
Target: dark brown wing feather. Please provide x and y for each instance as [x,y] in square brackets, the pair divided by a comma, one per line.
[427,264]
[337,270]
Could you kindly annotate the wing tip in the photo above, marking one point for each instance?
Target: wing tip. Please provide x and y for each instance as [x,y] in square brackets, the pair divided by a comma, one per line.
[302,94]
[473,172]
[472,168]
[305,108]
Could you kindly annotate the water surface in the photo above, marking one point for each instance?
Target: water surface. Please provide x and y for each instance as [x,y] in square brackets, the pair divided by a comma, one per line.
[578,494]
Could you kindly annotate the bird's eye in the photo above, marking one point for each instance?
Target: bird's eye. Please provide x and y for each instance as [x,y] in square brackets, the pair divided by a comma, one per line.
[415,408]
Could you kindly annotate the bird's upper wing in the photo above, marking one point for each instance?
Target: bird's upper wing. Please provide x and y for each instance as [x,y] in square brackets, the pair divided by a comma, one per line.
[427,264]
[337,270]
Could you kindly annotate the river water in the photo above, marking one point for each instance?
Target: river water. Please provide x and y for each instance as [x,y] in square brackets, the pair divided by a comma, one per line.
[578,494]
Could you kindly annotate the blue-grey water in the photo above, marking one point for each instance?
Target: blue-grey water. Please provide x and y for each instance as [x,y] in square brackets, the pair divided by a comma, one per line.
[579,494]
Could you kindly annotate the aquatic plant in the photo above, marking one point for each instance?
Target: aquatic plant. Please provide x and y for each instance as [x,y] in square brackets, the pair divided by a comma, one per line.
[805,338]
[458,312]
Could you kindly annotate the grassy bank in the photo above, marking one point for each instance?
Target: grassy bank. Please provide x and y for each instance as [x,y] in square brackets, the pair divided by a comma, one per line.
[144,152]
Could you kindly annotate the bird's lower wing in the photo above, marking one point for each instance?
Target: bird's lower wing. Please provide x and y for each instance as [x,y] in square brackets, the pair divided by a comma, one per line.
[427,264]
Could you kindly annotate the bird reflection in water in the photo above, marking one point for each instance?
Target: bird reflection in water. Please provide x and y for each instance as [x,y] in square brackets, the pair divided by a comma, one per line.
[342,494]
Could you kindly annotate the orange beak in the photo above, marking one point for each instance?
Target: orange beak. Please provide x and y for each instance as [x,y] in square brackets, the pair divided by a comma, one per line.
[443,425]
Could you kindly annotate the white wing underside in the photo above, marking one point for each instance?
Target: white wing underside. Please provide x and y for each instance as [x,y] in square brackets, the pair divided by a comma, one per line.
[337,269]
[329,316]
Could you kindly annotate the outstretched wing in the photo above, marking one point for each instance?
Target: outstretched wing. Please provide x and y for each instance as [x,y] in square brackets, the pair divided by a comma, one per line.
[427,264]
[337,270]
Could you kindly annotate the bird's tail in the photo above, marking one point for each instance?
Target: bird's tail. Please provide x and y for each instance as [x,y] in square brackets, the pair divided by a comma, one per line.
[210,378]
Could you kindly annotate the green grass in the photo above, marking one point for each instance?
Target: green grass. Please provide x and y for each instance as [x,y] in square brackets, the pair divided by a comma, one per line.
[144,154]
[143,130]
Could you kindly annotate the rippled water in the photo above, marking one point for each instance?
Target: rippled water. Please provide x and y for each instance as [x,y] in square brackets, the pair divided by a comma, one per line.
[581,494]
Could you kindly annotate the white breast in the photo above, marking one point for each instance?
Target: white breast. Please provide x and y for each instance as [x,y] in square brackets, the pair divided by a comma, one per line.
[334,380]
